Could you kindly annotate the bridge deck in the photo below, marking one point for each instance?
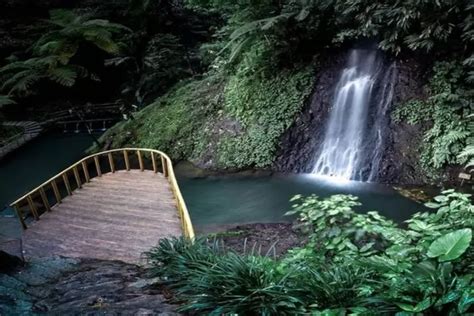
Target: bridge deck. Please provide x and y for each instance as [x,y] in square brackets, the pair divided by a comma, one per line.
[115,217]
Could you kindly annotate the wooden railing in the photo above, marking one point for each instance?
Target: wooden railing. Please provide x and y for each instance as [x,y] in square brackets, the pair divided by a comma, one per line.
[45,196]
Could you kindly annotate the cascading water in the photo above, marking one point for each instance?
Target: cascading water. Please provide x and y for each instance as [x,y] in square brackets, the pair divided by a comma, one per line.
[353,138]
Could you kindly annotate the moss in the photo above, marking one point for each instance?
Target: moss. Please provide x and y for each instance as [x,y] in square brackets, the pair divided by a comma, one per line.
[186,120]
[266,107]
[173,123]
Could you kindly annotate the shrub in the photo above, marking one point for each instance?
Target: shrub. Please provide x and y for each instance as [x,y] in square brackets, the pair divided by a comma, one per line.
[426,268]
[266,106]
[447,112]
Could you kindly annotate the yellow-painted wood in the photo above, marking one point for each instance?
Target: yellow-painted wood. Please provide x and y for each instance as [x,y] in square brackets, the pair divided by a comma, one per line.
[97,166]
[32,206]
[78,179]
[127,162]
[153,160]
[168,172]
[86,171]
[111,162]
[164,166]
[57,195]
[44,199]
[66,183]
[19,214]
[140,160]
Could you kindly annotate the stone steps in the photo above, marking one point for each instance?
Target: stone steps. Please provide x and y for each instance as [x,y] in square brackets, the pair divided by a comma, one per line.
[65,286]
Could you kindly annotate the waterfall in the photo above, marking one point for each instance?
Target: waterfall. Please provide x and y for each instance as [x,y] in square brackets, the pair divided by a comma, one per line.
[354,134]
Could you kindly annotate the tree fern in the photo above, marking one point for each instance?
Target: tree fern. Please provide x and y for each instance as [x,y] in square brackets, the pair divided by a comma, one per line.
[5,100]
[53,51]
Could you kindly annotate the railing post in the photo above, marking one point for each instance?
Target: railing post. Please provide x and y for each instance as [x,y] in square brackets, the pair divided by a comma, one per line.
[140,160]
[19,213]
[78,179]
[66,183]
[153,160]
[86,171]
[56,191]
[45,199]
[97,166]
[111,162]
[33,209]
[127,162]
[164,165]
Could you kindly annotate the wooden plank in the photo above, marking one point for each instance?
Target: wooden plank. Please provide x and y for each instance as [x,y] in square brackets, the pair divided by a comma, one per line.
[86,171]
[140,160]
[111,162]
[127,162]
[164,166]
[57,195]
[45,199]
[32,206]
[153,159]
[67,184]
[76,176]
[19,214]
[97,166]
[110,218]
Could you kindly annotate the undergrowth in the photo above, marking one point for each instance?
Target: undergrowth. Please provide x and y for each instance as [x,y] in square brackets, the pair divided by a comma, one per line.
[266,106]
[183,122]
[352,264]
[446,111]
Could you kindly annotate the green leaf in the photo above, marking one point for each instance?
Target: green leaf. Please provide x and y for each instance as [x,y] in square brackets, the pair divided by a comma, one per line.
[441,198]
[450,246]
[432,205]
[5,100]
[421,306]
[466,300]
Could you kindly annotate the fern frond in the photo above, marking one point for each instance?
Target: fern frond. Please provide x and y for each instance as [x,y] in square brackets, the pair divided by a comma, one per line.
[5,100]
[65,76]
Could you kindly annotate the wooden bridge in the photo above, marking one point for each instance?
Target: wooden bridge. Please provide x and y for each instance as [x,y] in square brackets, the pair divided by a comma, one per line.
[113,205]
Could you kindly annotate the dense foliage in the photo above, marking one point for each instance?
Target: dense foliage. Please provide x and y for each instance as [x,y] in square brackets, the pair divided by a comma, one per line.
[291,25]
[52,54]
[264,43]
[252,111]
[353,263]
[256,60]
[448,109]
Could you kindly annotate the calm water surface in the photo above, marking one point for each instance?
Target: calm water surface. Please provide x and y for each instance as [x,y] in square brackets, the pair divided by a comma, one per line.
[212,200]
[37,161]
[226,200]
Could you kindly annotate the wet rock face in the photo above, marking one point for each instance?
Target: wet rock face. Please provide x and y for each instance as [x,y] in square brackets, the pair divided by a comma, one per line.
[307,133]
[63,286]
[400,158]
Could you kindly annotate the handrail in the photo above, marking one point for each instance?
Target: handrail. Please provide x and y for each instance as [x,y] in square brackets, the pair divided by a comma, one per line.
[52,183]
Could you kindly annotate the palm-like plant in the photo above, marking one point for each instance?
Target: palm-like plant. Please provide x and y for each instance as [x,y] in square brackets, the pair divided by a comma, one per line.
[468,152]
[52,53]
[71,30]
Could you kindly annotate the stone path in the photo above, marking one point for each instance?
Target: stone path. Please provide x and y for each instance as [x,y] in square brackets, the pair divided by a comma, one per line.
[64,286]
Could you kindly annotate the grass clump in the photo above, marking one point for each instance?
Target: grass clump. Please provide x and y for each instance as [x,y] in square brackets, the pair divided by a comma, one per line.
[352,264]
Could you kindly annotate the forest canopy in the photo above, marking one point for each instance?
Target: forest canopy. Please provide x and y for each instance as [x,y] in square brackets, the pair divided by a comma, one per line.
[158,47]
